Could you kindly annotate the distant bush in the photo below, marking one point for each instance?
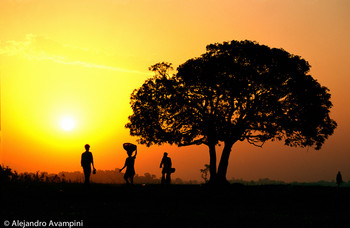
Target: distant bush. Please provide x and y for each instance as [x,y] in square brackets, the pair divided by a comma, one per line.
[262,181]
[6,174]
[9,176]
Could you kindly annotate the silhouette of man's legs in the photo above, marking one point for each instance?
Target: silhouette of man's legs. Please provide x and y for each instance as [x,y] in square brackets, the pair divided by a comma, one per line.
[163,178]
[126,178]
[167,178]
[129,179]
[87,173]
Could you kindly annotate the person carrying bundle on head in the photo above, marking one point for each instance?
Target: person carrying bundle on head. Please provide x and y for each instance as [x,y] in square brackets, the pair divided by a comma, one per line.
[129,163]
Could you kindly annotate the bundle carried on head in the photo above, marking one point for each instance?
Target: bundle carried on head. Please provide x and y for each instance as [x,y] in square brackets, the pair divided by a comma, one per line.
[129,147]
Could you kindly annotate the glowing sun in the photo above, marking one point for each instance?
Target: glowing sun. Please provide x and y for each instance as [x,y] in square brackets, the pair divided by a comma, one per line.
[67,124]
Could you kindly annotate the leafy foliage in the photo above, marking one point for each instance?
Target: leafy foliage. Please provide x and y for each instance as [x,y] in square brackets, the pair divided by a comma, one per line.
[257,93]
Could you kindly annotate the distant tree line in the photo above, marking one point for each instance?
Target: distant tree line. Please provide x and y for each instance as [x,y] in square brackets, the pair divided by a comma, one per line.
[7,175]
[267,181]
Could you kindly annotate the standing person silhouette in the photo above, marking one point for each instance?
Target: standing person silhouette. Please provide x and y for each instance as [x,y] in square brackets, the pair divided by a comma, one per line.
[167,170]
[129,164]
[339,179]
[86,162]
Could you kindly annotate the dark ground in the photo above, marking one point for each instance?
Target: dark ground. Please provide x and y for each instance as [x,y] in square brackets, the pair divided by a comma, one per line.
[177,206]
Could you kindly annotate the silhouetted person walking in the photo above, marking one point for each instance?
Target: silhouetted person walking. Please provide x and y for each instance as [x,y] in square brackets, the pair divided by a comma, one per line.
[339,179]
[129,163]
[167,170]
[86,162]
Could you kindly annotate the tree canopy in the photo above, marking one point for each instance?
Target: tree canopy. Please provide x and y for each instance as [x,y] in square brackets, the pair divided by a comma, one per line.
[236,91]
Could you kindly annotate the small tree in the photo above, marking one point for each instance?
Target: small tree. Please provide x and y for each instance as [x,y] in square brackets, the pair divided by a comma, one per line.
[235,91]
[205,172]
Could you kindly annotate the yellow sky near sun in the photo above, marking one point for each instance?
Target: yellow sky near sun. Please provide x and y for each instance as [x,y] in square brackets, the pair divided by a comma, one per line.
[82,59]
[54,81]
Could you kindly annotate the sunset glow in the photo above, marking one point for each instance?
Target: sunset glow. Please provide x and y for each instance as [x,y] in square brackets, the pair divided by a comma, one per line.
[68,68]
[67,124]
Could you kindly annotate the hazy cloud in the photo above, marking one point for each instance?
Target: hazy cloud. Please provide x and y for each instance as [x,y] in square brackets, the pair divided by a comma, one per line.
[35,47]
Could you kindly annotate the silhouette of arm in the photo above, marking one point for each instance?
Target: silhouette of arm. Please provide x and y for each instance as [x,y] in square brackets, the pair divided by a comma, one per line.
[81,161]
[123,167]
[135,153]
[161,163]
[92,161]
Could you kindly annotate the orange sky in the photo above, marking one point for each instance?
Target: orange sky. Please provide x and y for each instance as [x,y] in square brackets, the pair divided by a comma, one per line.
[81,59]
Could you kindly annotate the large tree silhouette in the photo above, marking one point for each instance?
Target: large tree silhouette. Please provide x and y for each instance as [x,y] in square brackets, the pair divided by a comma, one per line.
[235,91]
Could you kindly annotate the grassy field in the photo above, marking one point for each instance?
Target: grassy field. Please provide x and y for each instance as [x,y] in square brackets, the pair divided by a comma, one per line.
[176,206]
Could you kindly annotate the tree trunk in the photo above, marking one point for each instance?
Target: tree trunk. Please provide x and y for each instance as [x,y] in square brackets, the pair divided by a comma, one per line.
[222,170]
[212,163]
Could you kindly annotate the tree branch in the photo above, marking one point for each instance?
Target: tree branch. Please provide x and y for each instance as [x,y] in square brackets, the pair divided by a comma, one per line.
[254,142]
[195,142]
